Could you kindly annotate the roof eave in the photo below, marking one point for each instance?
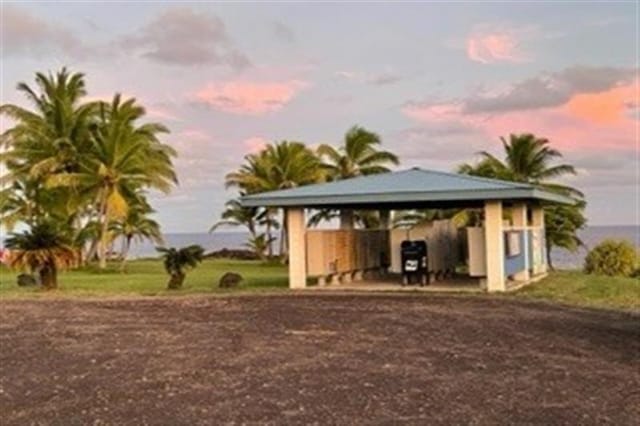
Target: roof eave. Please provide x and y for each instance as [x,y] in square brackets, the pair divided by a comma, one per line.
[267,200]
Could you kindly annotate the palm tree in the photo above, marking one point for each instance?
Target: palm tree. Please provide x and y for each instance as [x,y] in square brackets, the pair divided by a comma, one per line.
[42,249]
[51,138]
[235,214]
[250,217]
[178,261]
[357,156]
[124,159]
[281,165]
[259,244]
[136,225]
[529,159]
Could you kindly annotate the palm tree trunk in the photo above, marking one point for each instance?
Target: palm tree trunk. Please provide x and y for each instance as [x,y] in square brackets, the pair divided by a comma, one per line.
[102,251]
[49,277]
[104,228]
[175,281]
[91,253]
[284,249]
[346,219]
[269,242]
[126,244]
[549,264]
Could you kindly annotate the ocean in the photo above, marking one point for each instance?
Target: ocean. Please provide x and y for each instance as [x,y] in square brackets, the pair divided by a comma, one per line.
[591,236]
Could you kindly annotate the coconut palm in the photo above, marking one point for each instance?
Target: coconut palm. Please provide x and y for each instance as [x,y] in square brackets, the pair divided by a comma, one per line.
[359,155]
[235,214]
[530,159]
[42,249]
[136,225]
[259,244]
[125,157]
[178,261]
[53,137]
[527,159]
[280,165]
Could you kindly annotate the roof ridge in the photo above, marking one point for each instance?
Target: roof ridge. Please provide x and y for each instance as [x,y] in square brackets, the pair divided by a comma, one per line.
[477,178]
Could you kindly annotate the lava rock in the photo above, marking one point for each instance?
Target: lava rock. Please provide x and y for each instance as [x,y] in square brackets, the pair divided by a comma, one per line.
[27,280]
[230,280]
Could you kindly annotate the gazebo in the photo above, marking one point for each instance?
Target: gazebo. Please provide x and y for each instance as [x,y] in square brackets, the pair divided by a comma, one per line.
[511,245]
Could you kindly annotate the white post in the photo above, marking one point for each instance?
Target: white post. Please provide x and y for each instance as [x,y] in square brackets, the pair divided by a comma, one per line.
[494,246]
[537,219]
[519,213]
[297,248]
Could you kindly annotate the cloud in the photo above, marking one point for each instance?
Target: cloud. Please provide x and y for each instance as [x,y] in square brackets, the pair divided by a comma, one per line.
[255,144]
[283,32]
[249,98]
[24,33]
[581,108]
[376,79]
[180,36]
[550,89]
[492,46]
[384,79]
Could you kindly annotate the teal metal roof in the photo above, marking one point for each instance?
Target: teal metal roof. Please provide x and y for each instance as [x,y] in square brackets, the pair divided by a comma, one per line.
[403,189]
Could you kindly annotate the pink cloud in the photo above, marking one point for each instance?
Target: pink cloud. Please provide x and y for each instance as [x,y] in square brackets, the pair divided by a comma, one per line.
[497,46]
[249,98]
[586,121]
[255,144]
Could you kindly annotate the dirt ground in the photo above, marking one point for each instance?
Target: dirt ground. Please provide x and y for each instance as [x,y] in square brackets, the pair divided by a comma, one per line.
[316,359]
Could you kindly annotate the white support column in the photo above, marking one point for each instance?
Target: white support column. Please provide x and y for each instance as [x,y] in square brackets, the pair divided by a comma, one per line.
[296,228]
[519,213]
[537,219]
[494,246]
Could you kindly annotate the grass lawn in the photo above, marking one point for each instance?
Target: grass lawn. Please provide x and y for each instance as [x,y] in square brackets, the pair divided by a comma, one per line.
[578,288]
[148,278]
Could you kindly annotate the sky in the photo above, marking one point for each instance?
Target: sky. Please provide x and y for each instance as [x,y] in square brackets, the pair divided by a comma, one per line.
[437,81]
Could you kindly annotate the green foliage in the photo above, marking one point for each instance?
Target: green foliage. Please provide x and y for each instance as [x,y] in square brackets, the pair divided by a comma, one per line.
[530,159]
[43,248]
[578,288]
[357,156]
[80,164]
[148,277]
[613,258]
[178,261]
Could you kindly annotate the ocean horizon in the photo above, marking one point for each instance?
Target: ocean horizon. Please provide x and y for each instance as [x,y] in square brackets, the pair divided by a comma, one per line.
[591,236]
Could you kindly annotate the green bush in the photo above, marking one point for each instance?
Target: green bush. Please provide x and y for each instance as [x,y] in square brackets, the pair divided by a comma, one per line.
[611,257]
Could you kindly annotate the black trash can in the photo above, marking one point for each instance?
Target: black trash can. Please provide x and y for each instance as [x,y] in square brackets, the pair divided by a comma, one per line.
[414,262]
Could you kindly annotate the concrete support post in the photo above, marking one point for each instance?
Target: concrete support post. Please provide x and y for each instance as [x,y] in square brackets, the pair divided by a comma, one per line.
[296,228]
[537,219]
[519,214]
[494,246]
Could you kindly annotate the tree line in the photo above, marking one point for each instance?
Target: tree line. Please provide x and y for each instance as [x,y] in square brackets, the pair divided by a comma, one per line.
[280,165]
[78,172]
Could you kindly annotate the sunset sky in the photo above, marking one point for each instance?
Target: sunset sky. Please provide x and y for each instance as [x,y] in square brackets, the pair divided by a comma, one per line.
[437,81]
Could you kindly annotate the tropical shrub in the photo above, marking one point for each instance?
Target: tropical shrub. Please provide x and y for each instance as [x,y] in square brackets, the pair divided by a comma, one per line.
[178,261]
[611,257]
[44,250]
